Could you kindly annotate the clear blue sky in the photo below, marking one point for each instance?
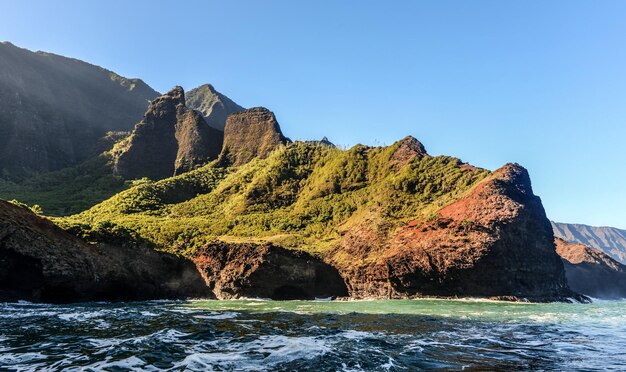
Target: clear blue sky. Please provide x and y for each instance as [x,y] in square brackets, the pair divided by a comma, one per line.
[541,83]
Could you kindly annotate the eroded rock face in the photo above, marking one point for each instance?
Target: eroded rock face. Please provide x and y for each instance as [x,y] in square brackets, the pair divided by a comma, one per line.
[266,271]
[41,262]
[171,139]
[592,272]
[250,134]
[213,105]
[495,242]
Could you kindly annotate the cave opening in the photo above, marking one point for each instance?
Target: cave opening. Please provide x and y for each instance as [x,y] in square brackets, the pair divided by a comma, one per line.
[289,292]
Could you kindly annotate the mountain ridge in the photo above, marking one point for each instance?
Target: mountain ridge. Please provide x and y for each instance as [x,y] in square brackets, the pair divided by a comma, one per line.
[609,240]
[54,109]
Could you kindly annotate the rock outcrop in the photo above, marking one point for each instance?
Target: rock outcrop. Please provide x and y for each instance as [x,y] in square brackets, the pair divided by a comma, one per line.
[213,105]
[494,242]
[171,139]
[53,110]
[250,134]
[609,240]
[409,149]
[266,271]
[41,262]
[591,272]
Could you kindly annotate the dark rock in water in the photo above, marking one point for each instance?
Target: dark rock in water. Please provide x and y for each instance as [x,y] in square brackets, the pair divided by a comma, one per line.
[266,271]
[53,110]
[171,139]
[494,242]
[592,272]
[213,105]
[41,262]
[250,134]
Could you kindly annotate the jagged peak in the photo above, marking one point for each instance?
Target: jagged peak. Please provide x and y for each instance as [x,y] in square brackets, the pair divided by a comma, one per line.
[177,94]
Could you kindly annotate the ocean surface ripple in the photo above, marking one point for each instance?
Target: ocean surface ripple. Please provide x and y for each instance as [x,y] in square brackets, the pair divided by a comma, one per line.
[395,335]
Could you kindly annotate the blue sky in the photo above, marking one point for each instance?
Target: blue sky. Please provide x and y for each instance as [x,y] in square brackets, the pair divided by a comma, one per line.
[541,83]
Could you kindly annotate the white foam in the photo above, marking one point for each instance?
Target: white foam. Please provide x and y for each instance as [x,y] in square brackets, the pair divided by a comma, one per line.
[259,354]
[218,316]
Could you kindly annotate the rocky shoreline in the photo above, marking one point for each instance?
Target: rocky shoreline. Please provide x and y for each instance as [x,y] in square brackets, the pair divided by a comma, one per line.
[440,258]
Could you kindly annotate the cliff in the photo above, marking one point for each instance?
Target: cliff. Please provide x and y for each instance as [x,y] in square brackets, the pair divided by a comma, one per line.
[169,140]
[394,222]
[266,271]
[250,134]
[41,262]
[494,242]
[591,272]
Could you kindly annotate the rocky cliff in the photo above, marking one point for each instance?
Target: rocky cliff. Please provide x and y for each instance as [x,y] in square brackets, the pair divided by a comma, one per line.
[494,242]
[266,271]
[169,140]
[394,221]
[609,240]
[250,134]
[591,272]
[41,262]
[213,105]
[54,110]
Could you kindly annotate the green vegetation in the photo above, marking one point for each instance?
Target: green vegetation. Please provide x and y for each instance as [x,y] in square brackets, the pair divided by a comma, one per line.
[67,191]
[302,196]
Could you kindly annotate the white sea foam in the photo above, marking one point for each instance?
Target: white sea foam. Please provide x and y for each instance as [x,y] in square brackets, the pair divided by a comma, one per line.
[355,335]
[218,315]
[259,354]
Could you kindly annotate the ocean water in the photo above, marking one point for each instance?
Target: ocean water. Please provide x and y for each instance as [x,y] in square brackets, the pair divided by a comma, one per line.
[395,335]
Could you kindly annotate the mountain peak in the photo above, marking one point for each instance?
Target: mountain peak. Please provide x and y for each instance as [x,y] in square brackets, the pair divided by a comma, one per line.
[213,105]
[170,139]
[408,149]
[177,94]
[251,133]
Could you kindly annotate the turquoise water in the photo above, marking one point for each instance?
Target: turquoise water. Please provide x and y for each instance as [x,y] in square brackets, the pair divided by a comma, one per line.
[390,335]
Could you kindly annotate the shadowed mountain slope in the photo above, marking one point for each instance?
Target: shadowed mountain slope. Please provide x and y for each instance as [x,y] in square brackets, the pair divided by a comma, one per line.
[54,110]
[609,240]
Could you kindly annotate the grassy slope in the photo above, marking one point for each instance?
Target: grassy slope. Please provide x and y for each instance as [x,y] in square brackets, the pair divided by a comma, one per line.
[67,191]
[302,196]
